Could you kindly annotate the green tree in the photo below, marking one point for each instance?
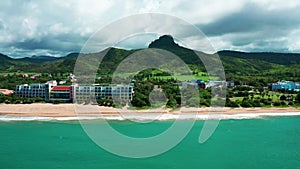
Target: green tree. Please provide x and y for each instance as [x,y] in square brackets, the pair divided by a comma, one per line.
[297,99]
[282,97]
[246,103]
[171,103]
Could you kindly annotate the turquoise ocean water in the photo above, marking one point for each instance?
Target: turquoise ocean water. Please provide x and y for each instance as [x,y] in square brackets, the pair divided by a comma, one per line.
[269,143]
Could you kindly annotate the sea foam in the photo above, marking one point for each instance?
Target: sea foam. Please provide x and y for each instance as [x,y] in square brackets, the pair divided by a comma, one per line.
[152,117]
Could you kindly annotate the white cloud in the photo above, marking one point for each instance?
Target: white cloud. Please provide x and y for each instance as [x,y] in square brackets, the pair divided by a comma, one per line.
[294,40]
[277,4]
[74,21]
[58,28]
[250,42]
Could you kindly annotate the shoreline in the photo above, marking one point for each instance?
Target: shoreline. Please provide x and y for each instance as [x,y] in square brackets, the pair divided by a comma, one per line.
[47,111]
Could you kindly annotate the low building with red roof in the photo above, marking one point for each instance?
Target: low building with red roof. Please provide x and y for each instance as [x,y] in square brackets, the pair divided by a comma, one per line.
[6,91]
[61,94]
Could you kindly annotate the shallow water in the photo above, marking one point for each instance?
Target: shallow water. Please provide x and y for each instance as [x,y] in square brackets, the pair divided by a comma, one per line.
[272,142]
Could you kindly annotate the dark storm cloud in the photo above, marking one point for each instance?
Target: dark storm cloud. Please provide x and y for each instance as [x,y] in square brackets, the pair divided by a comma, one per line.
[252,18]
[62,42]
[56,27]
[254,28]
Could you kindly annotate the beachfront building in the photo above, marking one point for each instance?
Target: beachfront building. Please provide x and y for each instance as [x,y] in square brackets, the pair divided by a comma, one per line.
[35,90]
[32,90]
[61,94]
[286,85]
[123,92]
[49,85]
[56,94]
[83,93]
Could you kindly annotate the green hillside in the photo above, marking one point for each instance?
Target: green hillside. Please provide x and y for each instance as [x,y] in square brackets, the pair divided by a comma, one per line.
[277,58]
[237,65]
[8,64]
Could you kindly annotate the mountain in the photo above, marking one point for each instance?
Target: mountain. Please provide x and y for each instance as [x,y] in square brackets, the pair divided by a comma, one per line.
[5,61]
[44,57]
[237,65]
[39,59]
[9,64]
[61,64]
[278,58]
[166,42]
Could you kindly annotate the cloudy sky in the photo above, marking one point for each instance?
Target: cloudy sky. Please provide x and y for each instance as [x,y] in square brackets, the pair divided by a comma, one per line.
[58,27]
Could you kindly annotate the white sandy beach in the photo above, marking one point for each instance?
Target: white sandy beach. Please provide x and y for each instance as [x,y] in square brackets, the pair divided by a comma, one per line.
[46,111]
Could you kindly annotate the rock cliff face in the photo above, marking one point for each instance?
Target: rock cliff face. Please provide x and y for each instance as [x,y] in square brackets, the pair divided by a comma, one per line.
[163,42]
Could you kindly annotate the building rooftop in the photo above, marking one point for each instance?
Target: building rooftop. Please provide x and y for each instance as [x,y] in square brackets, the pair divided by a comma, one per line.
[61,88]
[6,91]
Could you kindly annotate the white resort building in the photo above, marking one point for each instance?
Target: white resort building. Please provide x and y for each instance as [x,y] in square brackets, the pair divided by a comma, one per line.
[85,92]
[54,93]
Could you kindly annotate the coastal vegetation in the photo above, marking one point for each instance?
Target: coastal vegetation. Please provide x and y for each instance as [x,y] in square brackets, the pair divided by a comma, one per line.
[252,74]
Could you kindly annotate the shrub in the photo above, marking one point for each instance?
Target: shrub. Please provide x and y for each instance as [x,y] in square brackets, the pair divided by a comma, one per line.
[298,98]
[282,97]
[256,103]
[282,103]
[232,104]
[276,103]
[205,103]
[246,103]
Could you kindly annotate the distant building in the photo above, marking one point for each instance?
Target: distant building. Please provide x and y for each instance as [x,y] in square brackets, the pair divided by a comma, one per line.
[213,83]
[189,85]
[194,84]
[23,75]
[6,91]
[34,76]
[286,85]
[230,84]
[245,83]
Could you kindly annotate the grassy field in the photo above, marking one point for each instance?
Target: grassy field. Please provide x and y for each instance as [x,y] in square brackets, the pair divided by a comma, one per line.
[186,77]
[199,76]
[275,96]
